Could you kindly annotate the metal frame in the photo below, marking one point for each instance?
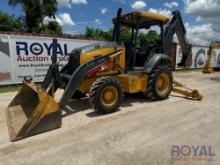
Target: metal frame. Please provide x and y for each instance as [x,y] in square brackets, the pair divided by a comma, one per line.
[174,25]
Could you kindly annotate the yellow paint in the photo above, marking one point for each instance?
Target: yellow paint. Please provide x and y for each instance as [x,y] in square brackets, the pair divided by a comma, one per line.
[86,84]
[109,96]
[185,91]
[133,83]
[208,67]
[162,83]
[35,106]
[151,15]
[119,60]
[147,15]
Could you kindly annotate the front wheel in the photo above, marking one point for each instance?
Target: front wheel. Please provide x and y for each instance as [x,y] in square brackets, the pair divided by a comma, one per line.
[106,95]
[160,83]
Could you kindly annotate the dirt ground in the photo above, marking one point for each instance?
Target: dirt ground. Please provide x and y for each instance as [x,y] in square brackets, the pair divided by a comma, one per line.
[141,132]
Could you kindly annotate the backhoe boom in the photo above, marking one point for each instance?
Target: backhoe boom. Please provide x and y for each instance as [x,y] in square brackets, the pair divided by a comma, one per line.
[175,25]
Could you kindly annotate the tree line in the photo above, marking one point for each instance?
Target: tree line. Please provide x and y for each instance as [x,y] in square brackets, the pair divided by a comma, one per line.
[35,11]
[33,22]
[125,35]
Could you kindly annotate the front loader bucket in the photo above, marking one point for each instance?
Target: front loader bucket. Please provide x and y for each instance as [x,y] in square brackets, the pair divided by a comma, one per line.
[31,112]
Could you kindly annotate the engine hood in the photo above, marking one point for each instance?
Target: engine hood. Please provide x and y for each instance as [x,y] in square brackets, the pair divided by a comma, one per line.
[95,46]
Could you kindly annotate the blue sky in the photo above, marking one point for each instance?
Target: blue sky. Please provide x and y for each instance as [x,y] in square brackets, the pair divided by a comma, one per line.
[75,15]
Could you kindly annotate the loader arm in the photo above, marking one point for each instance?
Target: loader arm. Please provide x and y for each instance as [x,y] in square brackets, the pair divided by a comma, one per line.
[176,26]
[53,75]
[80,73]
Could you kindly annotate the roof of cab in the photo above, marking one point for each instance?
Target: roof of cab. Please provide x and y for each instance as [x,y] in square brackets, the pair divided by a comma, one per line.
[144,18]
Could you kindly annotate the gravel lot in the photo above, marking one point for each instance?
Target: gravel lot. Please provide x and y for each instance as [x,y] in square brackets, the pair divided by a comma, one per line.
[142,132]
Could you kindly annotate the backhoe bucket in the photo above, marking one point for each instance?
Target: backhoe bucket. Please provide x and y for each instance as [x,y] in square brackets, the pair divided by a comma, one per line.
[32,111]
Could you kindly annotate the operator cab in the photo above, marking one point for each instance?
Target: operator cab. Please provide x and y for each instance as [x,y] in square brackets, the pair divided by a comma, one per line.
[137,53]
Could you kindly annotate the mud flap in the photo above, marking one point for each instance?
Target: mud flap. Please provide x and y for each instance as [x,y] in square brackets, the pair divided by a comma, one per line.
[31,112]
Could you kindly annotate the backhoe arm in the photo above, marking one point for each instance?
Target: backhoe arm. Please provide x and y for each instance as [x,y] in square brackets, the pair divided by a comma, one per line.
[176,26]
[181,89]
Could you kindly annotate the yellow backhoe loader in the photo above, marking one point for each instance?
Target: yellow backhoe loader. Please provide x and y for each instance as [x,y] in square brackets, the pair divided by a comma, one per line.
[104,71]
[208,67]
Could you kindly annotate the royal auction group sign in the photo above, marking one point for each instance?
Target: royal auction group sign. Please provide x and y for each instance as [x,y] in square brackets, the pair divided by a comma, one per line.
[22,56]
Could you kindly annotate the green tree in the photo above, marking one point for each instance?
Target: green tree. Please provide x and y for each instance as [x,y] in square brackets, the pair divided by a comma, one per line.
[90,32]
[52,28]
[152,35]
[9,23]
[96,33]
[35,11]
[125,34]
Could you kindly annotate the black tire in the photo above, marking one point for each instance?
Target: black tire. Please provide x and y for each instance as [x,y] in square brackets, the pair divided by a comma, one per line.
[78,95]
[97,91]
[153,92]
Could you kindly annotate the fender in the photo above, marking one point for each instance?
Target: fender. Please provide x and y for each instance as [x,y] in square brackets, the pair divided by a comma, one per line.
[154,60]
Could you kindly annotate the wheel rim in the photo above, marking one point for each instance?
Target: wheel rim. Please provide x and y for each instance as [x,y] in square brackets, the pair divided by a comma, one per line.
[109,96]
[162,83]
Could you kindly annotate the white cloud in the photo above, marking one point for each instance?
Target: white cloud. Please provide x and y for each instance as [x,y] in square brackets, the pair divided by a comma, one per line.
[155,28]
[48,19]
[104,10]
[79,2]
[171,4]
[138,5]
[64,19]
[68,3]
[98,21]
[202,7]
[165,12]
[200,34]
[204,10]
[207,12]
[64,3]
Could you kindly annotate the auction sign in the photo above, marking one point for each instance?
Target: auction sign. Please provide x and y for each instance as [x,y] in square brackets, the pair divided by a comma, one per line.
[31,56]
[5,61]
[200,55]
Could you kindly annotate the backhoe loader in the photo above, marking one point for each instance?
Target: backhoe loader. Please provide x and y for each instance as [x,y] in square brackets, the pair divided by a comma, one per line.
[104,71]
[208,67]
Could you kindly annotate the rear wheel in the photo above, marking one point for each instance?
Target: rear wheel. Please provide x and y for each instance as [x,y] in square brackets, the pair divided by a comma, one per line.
[160,83]
[106,95]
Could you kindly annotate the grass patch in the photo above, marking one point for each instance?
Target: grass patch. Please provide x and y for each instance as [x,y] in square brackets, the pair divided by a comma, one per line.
[6,89]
